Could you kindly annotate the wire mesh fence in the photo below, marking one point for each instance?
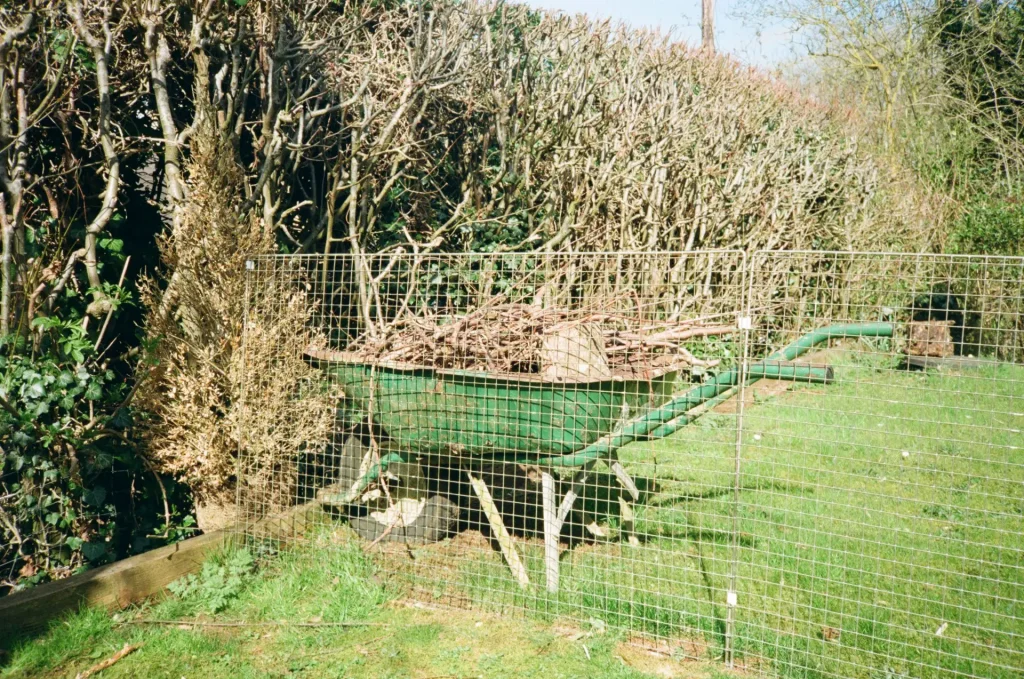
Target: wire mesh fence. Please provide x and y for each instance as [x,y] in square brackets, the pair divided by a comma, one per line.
[884,511]
[805,463]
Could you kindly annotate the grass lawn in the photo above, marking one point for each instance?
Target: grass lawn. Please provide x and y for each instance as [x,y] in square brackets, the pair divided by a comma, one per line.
[880,522]
[319,585]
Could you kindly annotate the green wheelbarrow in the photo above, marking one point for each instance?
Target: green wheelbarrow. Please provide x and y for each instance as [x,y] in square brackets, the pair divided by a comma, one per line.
[475,418]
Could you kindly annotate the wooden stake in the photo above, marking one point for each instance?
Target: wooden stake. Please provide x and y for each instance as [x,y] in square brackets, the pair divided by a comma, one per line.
[628,521]
[573,493]
[508,550]
[552,529]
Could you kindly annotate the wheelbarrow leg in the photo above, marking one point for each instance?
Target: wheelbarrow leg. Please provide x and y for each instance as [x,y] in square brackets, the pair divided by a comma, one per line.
[573,493]
[628,521]
[508,550]
[623,476]
[552,529]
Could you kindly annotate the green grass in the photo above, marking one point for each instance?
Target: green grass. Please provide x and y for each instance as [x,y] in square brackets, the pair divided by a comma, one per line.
[325,583]
[841,530]
[840,533]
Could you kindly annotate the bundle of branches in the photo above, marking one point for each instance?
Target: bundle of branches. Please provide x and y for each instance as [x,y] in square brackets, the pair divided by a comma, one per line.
[497,338]
[523,338]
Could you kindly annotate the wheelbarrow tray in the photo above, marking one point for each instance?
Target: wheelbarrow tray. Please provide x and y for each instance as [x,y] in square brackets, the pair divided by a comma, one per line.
[474,413]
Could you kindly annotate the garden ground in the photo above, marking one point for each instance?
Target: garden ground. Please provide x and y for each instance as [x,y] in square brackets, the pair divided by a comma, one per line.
[388,637]
[879,533]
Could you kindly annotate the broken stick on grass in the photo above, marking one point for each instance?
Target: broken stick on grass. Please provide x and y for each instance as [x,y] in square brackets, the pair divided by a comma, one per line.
[100,666]
[266,623]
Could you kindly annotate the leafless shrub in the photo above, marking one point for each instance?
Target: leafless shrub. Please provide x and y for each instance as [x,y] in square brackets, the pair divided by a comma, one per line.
[583,135]
[366,127]
[372,128]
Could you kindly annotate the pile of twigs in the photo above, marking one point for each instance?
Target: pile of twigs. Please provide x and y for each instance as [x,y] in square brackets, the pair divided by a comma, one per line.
[509,338]
[500,338]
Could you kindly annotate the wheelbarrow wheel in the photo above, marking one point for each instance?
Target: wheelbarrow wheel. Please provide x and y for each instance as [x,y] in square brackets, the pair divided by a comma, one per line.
[350,457]
[421,522]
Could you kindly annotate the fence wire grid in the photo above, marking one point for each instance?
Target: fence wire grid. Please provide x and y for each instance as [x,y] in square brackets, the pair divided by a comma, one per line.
[806,464]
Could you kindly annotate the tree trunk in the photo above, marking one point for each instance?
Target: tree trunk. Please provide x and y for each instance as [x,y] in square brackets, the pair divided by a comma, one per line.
[6,265]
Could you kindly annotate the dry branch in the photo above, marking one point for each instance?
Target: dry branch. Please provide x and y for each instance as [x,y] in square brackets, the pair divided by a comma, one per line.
[100,666]
[261,623]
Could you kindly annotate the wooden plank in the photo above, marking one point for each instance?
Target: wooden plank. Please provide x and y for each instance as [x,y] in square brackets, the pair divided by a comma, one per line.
[285,525]
[951,363]
[112,586]
[136,578]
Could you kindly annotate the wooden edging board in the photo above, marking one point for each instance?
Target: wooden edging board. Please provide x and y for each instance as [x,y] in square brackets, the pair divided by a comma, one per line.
[112,586]
[128,581]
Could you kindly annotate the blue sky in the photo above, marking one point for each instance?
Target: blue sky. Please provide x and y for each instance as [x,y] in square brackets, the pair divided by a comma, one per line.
[731,34]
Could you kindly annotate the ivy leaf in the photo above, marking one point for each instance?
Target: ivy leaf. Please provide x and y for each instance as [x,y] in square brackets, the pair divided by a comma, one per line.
[122,419]
[94,391]
[94,551]
[74,543]
[95,496]
[111,244]
[35,390]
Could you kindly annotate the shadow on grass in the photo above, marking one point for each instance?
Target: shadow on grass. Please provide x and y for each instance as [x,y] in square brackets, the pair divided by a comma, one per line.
[716,492]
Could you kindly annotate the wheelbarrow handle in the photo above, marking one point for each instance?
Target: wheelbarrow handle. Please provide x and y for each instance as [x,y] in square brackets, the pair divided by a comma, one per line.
[671,417]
